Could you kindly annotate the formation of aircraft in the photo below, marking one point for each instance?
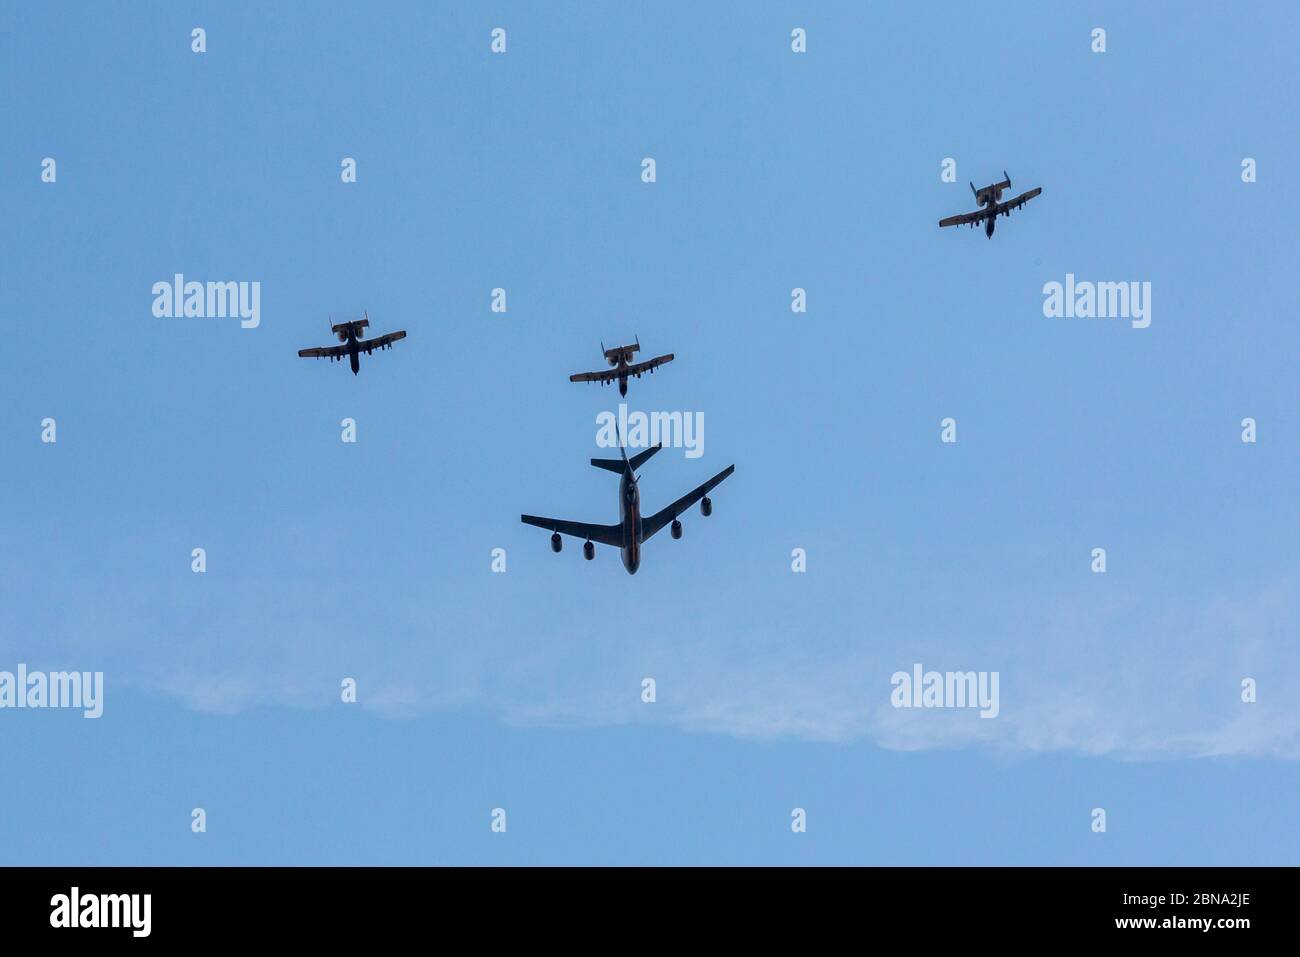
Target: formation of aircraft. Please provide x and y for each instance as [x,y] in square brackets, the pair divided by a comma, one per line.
[989,199]
[351,344]
[621,366]
[632,529]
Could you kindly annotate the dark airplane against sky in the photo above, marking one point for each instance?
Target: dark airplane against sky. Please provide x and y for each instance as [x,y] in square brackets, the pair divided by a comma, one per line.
[632,530]
[351,345]
[619,359]
[989,199]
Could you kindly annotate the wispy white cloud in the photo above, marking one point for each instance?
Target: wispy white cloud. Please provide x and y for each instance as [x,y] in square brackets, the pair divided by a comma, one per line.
[1130,677]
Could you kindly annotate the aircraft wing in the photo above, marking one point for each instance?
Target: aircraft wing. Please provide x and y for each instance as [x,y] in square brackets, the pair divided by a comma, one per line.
[639,367]
[380,342]
[662,517]
[324,352]
[607,376]
[605,534]
[964,218]
[1019,200]
[986,212]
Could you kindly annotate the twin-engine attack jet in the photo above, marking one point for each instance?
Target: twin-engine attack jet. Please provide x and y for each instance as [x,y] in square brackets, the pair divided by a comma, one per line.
[619,359]
[352,346]
[631,529]
[990,199]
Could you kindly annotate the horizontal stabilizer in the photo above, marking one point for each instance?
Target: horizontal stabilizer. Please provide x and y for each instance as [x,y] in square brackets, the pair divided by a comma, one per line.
[641,458]
[618,465]
[623,351]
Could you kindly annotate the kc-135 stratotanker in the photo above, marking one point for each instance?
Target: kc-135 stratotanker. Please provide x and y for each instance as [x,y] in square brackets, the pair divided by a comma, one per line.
[632,529]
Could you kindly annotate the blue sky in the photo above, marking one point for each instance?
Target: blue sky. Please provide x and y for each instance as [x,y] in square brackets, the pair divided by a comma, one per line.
[522,690]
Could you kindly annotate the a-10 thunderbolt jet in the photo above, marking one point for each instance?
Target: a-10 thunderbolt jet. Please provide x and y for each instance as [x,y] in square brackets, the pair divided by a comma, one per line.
[351,344]
[622,367]
[990,199]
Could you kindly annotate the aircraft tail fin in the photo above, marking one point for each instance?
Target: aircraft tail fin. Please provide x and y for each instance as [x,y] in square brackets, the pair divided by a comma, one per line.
[621,451]
[641,458]
[624,464]
[621,465]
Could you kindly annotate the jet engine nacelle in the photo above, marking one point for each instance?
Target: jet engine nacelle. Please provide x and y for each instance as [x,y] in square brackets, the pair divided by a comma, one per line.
[588,551]
[343,337]
[676,529]
[556,542]
[706,506]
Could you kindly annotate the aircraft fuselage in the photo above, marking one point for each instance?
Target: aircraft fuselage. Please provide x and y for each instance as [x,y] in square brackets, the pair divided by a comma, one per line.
[629,515]
[354,353]
[622,377]
[990,195]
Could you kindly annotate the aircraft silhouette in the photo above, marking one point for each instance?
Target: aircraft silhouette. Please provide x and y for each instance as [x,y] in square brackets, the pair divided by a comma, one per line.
[352,346]
[990,199]
[621,368]
[632,530]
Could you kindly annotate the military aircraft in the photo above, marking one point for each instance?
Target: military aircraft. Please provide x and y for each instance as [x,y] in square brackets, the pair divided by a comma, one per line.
[990,199]
[632,530]
[621,366]
[352,346]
